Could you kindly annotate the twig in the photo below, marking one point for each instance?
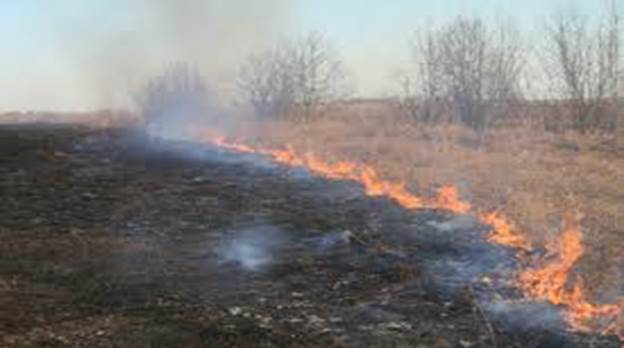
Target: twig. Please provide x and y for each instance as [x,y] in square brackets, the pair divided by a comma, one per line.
[488,324]
[610,326]
[354,237]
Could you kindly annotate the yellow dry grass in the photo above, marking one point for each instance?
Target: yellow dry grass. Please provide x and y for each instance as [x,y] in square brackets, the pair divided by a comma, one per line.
[532,176]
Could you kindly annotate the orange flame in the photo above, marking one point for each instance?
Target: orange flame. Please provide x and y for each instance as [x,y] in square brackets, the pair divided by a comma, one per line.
[448,198]
[364,174]
[503,233]
[550,283]
[553,281]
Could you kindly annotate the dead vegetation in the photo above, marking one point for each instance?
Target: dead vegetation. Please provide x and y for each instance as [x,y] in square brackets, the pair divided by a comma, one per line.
[464,71]
[295,80]
[107,239]
[107,243]
[533,176]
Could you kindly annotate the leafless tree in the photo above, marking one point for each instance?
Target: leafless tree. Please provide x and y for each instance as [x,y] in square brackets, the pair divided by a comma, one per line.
[422,93]
[409,100]
[507,62]
[265,82]
[481,69]
[319,76]
[467,69]
[176,96]
[295,80]
[432,73]
[583,66]
[463,45]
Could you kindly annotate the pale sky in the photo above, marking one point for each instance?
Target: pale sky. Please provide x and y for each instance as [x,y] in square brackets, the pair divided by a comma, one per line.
[84,54]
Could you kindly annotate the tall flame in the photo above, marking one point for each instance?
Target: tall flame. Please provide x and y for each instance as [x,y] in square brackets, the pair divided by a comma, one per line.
[364,174]
[503,233]
[448,198]
[553,282]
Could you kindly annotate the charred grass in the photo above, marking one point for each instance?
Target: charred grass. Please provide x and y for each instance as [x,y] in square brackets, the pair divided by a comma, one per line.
[532,176]
[106,243]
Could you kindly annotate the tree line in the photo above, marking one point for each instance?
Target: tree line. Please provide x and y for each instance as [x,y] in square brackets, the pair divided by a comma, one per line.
[466,70]
[470,72]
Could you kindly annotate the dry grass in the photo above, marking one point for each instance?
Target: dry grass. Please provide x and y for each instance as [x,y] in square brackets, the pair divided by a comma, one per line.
[532,176]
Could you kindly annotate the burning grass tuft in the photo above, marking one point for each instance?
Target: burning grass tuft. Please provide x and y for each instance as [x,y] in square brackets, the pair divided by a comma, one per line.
[525,175]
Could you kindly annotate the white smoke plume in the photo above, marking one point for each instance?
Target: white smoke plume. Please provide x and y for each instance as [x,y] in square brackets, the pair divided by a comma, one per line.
[95,53]
[252,248]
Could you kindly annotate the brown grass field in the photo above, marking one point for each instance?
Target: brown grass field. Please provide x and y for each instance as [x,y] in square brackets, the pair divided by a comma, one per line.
[532,176]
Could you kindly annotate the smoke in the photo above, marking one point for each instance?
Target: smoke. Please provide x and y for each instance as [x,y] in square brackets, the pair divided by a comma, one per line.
[331,241]
[251,248]
[96,54]
[525,315]
[215,34]
[456,223]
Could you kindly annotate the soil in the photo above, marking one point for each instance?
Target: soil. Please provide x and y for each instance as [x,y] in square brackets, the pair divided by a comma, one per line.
[112,239]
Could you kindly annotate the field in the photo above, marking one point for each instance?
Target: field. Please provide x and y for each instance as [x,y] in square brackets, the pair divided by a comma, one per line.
[209,173]
[111,239]
[532,176]
[115,238]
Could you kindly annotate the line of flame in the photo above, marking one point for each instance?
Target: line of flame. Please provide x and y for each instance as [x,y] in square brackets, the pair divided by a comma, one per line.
[555,283]
[549,283]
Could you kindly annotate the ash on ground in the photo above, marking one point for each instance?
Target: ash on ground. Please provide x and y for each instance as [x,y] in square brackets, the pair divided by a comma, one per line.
[109,243]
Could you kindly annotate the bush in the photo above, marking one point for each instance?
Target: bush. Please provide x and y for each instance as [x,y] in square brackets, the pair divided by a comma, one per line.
[174,99]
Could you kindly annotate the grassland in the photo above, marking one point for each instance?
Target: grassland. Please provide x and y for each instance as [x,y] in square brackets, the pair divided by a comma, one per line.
[532,176]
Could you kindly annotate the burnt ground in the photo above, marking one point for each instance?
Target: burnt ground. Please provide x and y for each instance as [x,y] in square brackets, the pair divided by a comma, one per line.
[107,242]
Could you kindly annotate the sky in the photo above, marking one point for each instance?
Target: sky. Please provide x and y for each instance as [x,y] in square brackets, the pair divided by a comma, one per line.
[71,55]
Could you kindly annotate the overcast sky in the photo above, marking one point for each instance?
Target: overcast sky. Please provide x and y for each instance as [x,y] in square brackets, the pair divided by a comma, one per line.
[83,54]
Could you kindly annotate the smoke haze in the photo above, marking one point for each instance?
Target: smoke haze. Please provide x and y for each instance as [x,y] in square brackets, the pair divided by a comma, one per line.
[91,54]
[71,55]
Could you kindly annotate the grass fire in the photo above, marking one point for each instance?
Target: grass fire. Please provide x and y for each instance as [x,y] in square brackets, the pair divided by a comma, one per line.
[230,174]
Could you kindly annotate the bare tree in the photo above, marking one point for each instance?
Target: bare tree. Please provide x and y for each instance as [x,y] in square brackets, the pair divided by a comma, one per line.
[409,100]
[468,69]
[265,82]
[175,97]
[481,68]
[432,73]
[295,80]
[319,76]
[505,72]
[583,63]
[423,95]
[464,45]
